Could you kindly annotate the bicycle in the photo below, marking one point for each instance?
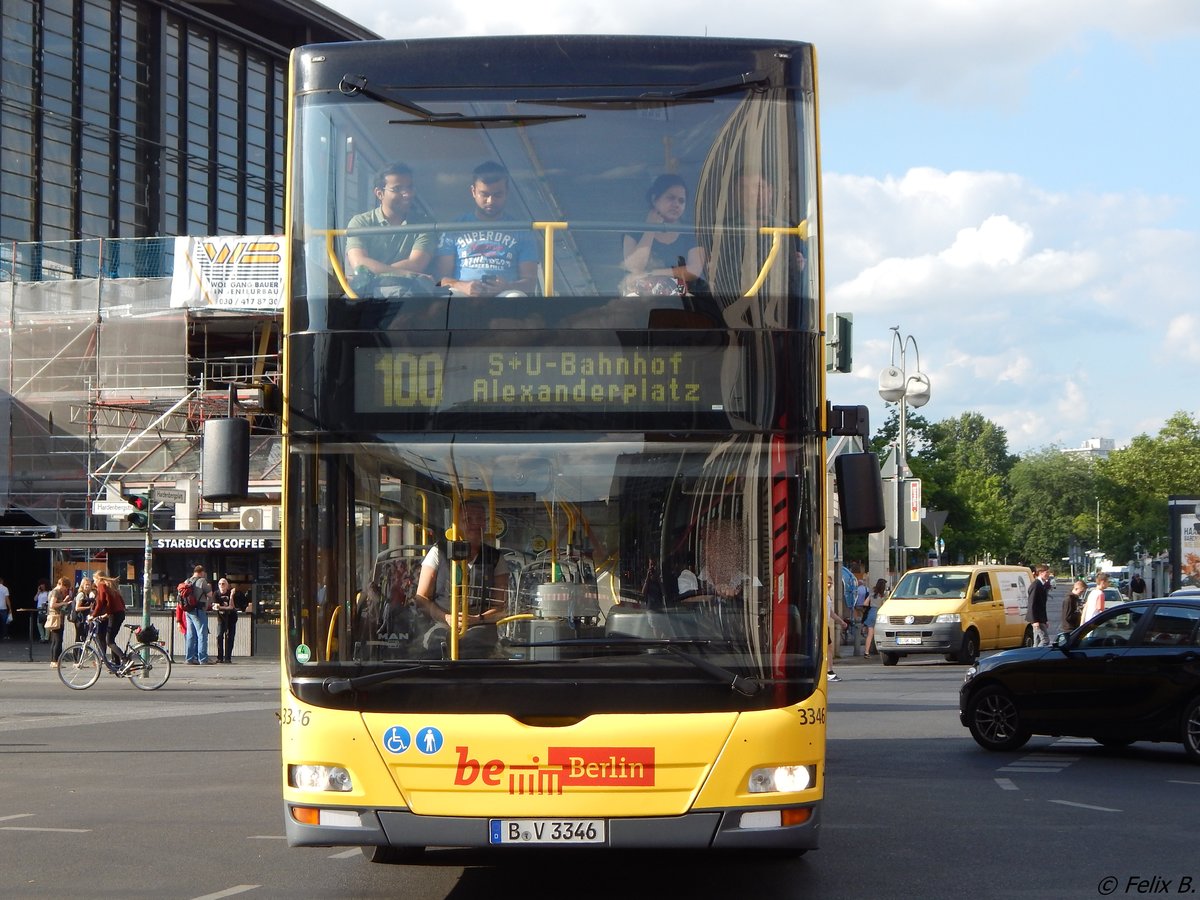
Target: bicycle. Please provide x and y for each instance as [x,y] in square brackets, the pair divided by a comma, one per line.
[146,664]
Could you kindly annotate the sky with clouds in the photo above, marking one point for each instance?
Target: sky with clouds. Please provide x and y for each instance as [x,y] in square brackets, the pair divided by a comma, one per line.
[1014,184]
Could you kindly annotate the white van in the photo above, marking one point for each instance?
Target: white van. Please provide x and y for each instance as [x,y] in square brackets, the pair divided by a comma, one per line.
[955,611]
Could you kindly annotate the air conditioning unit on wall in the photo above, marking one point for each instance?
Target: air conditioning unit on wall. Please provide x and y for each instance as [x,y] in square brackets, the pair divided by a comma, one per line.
[260,518]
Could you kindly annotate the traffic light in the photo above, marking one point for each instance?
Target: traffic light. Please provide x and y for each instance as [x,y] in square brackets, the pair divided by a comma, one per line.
[140,517]
[838,348]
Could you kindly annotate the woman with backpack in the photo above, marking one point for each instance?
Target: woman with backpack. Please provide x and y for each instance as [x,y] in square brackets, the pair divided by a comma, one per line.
[85,599]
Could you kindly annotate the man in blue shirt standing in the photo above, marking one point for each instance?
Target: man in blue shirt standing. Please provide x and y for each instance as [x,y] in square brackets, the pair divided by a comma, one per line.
[492,259]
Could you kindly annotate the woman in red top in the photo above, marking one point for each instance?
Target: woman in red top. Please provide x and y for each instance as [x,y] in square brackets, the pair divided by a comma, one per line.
[109,613]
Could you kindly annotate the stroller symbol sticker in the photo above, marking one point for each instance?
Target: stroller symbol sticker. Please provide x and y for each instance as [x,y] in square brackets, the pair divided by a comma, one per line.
[396,739]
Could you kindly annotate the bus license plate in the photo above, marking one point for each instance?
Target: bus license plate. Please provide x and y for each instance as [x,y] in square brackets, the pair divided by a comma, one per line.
[547,831]
[902,639]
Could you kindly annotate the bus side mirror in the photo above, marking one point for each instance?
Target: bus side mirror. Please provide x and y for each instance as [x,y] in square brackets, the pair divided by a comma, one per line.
[225,460]
[860,493]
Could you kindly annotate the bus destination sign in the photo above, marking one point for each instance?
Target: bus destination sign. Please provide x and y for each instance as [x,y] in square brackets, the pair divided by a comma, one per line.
[610,378]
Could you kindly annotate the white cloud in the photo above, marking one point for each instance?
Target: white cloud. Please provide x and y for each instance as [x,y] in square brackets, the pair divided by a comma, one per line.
[1181,340]
[996,243]
[998,281]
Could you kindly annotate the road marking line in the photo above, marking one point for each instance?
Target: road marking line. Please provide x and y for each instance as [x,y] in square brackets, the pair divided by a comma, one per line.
[1085,806]
[346,854]
[229,892]
[17,816]
[1006,784]
[56,830]
[1172,781]
[1050,756]
[1036,770]
[1040,763]
[267,837]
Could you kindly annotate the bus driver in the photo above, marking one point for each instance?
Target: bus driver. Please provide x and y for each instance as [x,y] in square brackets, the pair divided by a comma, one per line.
[487,581]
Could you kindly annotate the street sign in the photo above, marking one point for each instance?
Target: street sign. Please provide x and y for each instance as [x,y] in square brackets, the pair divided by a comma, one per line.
[168,495]
[111,508]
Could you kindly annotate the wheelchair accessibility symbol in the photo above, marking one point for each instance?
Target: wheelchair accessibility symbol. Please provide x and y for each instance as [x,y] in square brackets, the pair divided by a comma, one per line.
[429,740]
[396,739]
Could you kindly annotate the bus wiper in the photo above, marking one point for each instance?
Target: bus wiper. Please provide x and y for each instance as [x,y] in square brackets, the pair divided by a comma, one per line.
[357,84]
[696,92]
[345,685]
[722,86]
[458,120]
[740,683]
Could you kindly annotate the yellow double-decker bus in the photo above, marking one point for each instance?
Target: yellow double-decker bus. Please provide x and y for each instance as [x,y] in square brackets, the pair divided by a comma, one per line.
[555,446]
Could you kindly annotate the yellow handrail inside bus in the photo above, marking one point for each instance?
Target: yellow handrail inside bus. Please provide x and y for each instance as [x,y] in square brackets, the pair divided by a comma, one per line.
[516,617]
[548,262]
[777,235]
[331,636]
[338,272]
[548,230]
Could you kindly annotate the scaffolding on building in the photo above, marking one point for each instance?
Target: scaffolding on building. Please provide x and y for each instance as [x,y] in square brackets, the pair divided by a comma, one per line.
[107,385]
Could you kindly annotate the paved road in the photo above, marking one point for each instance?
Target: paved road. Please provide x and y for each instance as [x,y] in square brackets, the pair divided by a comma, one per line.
[113,792]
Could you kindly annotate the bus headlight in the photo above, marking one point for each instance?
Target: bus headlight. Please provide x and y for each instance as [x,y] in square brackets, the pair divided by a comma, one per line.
[948,619]
[782,779]
[320,778]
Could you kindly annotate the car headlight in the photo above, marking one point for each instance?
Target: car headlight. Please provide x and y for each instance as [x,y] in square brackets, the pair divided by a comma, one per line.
[948,619]
[781,779]
[882,620]
[970,673]
[320,778]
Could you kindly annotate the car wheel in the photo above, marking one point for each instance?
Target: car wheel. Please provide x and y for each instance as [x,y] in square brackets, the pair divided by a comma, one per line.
[969,654]
[994,720]
[888,659]
[1191,729]
[1027,640]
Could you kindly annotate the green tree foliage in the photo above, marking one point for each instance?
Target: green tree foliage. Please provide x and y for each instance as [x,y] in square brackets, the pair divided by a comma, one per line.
[972,443]
[1053,494]
[966,465]
[1030,509]
[1134,484]
[962,465]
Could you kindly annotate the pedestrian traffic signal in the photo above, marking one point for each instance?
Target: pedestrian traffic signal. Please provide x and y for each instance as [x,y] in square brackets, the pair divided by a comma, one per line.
[140,517]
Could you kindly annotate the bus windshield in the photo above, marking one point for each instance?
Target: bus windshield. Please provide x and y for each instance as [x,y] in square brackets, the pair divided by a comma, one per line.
[582,556]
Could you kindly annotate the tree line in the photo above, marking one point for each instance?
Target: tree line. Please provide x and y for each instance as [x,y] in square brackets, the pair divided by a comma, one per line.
[1036,507]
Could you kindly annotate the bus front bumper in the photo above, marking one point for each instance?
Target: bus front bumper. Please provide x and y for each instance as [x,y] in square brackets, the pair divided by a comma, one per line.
[732,829]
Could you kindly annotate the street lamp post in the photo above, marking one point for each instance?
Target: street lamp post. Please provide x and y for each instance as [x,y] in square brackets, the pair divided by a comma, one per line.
[896,385]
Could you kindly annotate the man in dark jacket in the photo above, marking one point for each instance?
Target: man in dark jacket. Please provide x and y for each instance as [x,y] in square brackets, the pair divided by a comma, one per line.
[1039,591]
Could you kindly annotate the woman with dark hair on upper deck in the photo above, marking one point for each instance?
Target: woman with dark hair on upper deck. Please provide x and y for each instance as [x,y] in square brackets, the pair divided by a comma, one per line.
[662,261]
